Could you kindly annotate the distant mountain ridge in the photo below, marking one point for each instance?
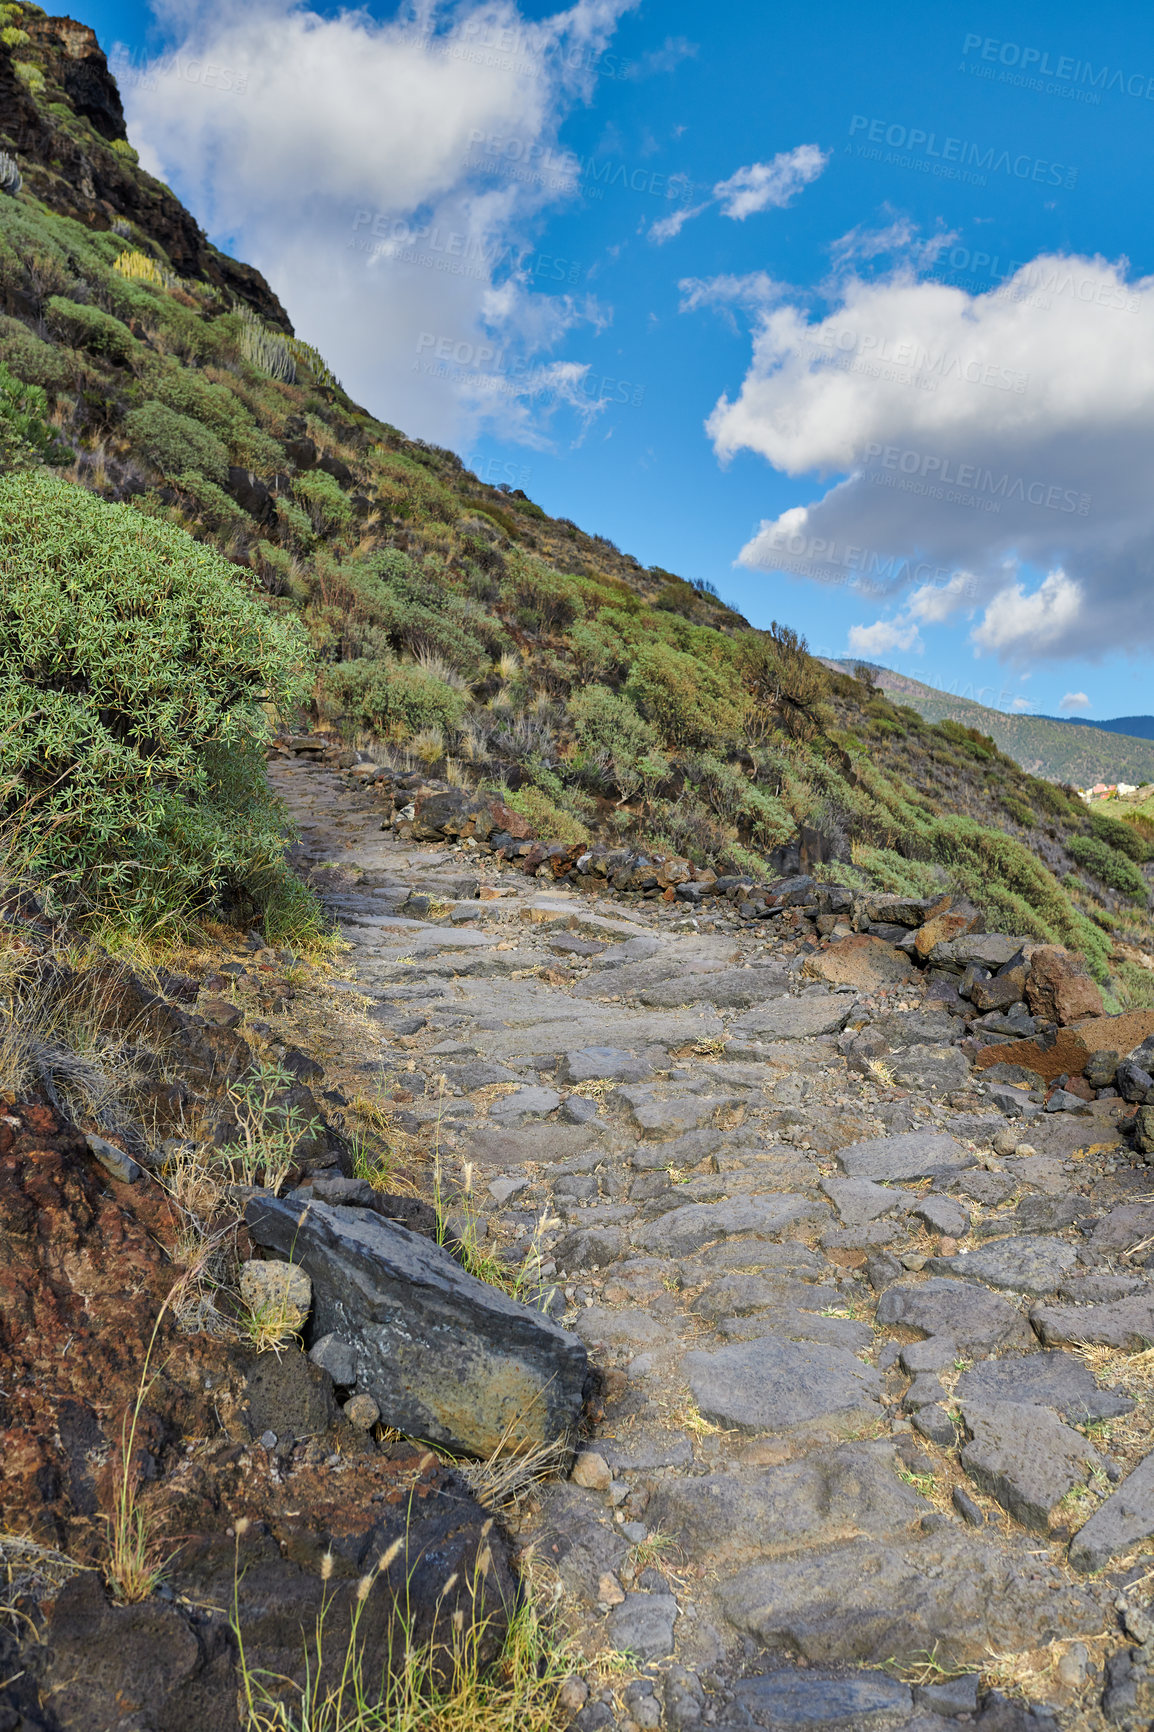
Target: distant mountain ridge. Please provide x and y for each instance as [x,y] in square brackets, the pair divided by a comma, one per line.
[1046,746]
[1137,727]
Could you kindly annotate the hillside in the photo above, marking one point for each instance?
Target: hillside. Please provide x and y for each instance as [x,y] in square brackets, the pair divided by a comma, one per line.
[454,626]
[1048,746]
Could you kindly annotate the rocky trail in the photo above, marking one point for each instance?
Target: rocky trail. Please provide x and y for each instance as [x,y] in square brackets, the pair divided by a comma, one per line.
[870,1315]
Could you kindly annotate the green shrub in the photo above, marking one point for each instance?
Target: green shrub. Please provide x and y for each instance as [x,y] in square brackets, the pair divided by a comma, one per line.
[83,327]
[31,359]
[25,433]
[604,720]
[1017,810]
[392,696]
[783,679]
[414,607]
[1121,837]
[320,496]
[134,671]
[1109,866]
[549,822]
[687,700]
[175,443]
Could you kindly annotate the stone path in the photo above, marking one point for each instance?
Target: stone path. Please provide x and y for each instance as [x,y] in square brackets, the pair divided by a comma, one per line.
[847,1421]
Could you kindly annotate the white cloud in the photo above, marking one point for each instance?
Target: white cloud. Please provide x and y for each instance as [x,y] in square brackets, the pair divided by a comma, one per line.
[901,240]
[1020,705]
[668,228]
[766,185]
[935,602]
[1074,701]
[1007,436]
[882,637]
[760,186]
[387,178]
[667,58]
[1017,622]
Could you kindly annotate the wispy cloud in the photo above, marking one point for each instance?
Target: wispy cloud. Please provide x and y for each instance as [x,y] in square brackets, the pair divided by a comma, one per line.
[758,187]
[770,185]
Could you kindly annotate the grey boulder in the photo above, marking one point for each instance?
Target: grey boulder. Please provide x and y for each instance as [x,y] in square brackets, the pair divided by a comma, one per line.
[870,1701]
[1025,1458]
[445,1356]
[1026,1263]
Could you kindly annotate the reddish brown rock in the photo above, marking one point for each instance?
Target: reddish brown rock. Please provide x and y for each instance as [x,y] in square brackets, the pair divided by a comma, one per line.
[1058,989]
[1068,1049]
[511,822]
[953,921]
[861,961]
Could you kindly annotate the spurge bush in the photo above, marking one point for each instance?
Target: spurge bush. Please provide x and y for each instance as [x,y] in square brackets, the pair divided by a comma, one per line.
[135,671]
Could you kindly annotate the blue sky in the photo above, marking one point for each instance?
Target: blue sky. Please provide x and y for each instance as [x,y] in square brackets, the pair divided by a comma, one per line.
[888,374]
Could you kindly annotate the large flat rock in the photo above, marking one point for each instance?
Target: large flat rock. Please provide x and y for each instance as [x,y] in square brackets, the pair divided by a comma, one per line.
[808,1701]
[872,1602]
[1025,1458]
[445,1356]
[1054,1380]
[1124,1520]
[1025,1263]
[860,1201]
[912,1155]
[775,1385]
[734,1518]
[974,1320]
[682,1231]
[729,988]
[1126,1323]
[817,1011]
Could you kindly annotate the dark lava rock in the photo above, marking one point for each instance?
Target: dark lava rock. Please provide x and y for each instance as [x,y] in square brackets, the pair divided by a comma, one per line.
[822,1702]
[443,1355]
[976,1320]
[1054,1380]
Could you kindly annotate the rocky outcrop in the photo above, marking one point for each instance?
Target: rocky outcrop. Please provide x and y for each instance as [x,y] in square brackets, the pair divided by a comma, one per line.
[88,180]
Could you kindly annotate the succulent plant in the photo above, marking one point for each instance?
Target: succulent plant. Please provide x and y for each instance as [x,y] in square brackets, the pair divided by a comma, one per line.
[10,177]
[138,267]
[266,349]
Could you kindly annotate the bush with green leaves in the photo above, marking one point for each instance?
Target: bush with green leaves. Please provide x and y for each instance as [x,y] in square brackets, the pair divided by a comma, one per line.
[1109,866]
[137,673]
[25,433]
[392,697]
[688,700]
[30,358]
[85,327]
[320,495]
[1120,836]
[175,444]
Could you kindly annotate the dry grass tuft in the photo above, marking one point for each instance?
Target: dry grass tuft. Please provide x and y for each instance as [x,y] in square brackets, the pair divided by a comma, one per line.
[504,1478]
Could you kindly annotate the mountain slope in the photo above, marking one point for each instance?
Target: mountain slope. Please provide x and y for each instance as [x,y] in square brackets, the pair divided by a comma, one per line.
[1045,746]
[456,625]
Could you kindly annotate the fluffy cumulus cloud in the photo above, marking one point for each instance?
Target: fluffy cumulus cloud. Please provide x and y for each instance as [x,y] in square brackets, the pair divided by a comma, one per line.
[1074,702]
[387,178]
[986,454]
[883,637]
[760,186]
